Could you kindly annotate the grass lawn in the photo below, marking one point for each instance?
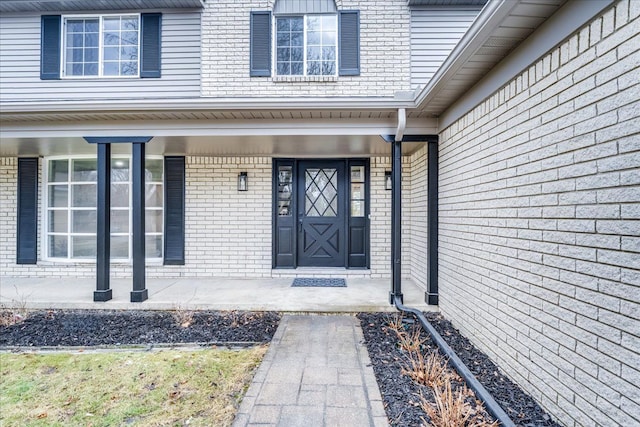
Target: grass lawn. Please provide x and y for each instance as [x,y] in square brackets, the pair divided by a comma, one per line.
[169,387]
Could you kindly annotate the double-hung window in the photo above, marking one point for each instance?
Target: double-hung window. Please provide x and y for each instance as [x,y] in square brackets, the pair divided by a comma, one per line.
[306,45]
[71,215]
[101,46]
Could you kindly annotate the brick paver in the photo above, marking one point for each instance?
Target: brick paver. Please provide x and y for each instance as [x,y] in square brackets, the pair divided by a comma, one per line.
[316,373]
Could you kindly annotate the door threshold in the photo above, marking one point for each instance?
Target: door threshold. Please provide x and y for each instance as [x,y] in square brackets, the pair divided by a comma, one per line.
[325,272]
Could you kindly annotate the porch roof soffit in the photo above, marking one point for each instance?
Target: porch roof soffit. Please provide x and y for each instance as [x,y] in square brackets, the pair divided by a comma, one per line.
[12,6]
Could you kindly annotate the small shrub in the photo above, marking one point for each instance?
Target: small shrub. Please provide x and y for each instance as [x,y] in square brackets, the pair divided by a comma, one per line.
[430,370]
[183,316]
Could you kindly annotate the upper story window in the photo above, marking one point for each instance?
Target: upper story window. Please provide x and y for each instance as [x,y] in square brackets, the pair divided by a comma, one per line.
[101,46]
[306,45]
[106,46]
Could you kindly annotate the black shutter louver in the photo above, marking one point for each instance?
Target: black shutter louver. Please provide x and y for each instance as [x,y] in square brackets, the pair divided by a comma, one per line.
[151,39]
[174,193]
[50,47]
[27,213]
[349,43]
[260,50]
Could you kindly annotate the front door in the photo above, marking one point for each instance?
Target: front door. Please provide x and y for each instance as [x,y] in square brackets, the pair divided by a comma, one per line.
[321,213]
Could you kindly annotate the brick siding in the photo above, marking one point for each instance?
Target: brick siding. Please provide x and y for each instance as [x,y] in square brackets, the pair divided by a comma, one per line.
[384,28]
[540,224]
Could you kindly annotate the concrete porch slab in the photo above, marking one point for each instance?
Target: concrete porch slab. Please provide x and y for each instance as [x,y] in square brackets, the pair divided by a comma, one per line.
[276,294]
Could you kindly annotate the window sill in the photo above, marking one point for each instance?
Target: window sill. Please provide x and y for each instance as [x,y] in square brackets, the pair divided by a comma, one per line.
[304,79]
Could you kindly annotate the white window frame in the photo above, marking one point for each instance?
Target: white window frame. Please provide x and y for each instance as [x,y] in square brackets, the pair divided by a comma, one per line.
[100,17]
[46,209]
[304,45]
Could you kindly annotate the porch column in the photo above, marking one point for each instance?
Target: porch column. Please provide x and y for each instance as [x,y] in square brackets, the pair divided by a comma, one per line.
[396,221]
[139,292]
[431,296]
[103,217]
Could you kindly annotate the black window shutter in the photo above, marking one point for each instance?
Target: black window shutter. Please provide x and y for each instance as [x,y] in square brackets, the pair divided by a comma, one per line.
[27,229]
[50,47]
[260,51]
[151,39]
[349,43]
[174,189]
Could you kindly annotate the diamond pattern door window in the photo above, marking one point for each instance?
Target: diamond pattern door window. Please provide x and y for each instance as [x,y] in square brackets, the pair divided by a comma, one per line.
[321,192]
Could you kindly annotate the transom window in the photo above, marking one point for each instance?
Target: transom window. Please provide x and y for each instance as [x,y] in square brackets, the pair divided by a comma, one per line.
[71,194]
[306,45]
[101,46]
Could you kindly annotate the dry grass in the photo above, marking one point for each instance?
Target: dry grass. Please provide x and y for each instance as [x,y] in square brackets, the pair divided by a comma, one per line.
[163,388]
[430,370]
[183,316]
[16,314]
[451,408]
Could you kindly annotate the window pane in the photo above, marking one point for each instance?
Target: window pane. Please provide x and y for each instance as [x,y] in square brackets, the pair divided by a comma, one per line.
[284,54]
[58,246]
[313,54]
[129,24]
[129,38]
[111,39]
[120,221]
[153,195]
[328,68]
[91,40]
[83,221]
[58,195]
[297,68]
[85,170]
[313,23]
[154,169]
[58,221]
[91,25]
[110,24]
[153,246]
[357,208]
[329,53]
[91,55]
[129,53]
[84,195]
[313,68]
[283,24]
[77,40]
[297,54]
[284,39]
[153,221]
[120,170]
[128,68]
[119,246]
[75,25]
[91,69]
[357,191]
[111,68]
[328,22]
[297,24]
[313,38]
[297,39]
[77,70]
[283,68]
[111,53]
[357,173]
[58,170]
[84,246]
[120,195]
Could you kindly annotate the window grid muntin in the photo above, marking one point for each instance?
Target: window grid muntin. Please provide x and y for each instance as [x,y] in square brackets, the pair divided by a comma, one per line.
[306,46]
[100,74]
[69,234]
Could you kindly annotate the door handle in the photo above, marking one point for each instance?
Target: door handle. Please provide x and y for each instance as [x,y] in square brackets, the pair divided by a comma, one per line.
[300,225]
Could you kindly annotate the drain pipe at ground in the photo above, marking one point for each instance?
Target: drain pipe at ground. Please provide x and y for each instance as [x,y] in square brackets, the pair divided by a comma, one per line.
[490,404]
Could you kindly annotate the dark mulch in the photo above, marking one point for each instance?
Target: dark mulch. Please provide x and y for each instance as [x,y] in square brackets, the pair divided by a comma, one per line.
[98,327]
[399,392]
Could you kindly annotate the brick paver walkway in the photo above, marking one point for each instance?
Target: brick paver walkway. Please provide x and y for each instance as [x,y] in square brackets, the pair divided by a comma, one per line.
[316,373]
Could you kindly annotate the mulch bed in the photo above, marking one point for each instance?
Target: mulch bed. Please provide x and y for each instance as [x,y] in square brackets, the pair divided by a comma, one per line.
[400,393]
[112,327]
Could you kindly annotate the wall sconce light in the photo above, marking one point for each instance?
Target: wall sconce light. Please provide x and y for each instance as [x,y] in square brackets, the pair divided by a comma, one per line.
[243,182]
[387,180]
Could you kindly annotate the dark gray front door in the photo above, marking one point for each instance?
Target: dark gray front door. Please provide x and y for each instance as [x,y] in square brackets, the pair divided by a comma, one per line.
[321,213]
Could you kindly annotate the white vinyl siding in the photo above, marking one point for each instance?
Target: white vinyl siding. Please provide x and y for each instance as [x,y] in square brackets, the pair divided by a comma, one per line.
[435,31]
[20,64]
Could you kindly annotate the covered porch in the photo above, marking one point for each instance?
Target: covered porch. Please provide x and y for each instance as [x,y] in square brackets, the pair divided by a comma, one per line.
[275,294]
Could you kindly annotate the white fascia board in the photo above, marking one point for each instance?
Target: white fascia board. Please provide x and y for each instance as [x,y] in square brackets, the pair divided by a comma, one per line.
[568,19]
[204,104]
[480,30]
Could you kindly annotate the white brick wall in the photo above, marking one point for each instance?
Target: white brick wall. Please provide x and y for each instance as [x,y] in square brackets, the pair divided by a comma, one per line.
[384,52]
[228,233]
[540,224]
